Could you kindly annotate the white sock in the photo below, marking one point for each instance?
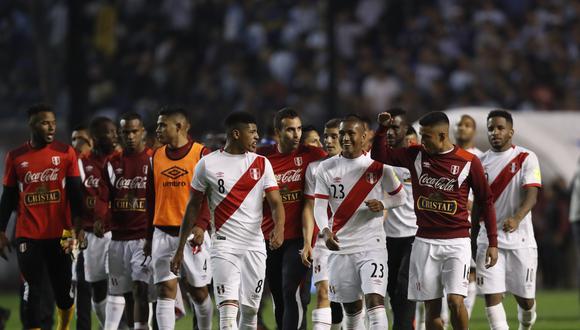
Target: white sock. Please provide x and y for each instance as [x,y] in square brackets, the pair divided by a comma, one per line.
[496,317]
[420,315]
[527,318]
[378,318]
[100,309]
[140,326]
[322,319]
[228,315]
[165,313]
[114,312]
[444,313]
[203,313]
[248,318]
[354,321]
[470,299]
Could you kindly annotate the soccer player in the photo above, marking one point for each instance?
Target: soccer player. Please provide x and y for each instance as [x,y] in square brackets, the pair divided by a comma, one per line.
[441,176]
[81,140]
[285,272]
[42,183]
[235,180]
[514,176]
[327,315]
[310,137]
[168,193]
[354,187]
[103,132]
[125,182]
[400,228]
[465,131]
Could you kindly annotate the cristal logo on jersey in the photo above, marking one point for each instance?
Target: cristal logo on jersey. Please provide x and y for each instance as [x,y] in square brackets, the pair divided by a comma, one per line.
[90,202]
[255,173]
[454,169]
[298,161]
[174,172]
[435,203]
[371,177]
[289,176]
[55,160]
[42,196]
[92,182]
[49,174]
[138,182]
[442,183]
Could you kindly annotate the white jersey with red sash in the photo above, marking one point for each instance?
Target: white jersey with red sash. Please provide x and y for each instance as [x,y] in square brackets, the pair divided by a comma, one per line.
[508,174]
[347,184]
[235,186]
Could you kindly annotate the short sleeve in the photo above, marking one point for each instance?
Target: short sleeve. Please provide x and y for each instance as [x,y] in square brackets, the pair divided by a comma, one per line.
[310,181]
[73,169]
[199,182]
[321,188]
[390,182]
[10,178]
[270,182]
[532,177]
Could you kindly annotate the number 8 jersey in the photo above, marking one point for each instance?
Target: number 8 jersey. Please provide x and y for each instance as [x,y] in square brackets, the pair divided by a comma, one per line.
[235,186]
[347,184]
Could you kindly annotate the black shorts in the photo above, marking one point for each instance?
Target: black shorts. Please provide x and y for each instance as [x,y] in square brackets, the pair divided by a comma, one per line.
[38,259]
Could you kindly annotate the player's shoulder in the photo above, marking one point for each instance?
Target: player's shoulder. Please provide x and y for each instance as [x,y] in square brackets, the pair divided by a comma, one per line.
[267,150]
[464,154]
[519,150]
[19,151]
[60,147]
[314,153]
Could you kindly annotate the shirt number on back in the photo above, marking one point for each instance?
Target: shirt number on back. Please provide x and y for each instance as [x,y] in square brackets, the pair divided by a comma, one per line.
[221,187]
[337,190]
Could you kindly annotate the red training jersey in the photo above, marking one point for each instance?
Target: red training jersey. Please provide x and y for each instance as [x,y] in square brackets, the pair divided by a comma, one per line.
[126,177]
[40,175]
[290,171]
[441,186]
[92,169]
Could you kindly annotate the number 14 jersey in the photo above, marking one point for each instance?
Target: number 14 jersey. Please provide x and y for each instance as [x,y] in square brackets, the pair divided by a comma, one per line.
[235,186]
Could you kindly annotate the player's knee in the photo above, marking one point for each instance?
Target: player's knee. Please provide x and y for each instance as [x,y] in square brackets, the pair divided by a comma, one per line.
[198,294]
[455,302]
[374,300]
[140,291]
[248,311]
[526,304]
[353,307]
[167,289]
[321,292]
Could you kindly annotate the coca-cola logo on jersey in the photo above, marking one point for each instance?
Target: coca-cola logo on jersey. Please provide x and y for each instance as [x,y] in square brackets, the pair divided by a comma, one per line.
[441,183]
[92,182]
[138,182]
[49,174]
[289,176]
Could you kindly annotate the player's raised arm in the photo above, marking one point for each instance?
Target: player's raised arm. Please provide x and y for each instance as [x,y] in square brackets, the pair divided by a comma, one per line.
[483,198]
[381,151]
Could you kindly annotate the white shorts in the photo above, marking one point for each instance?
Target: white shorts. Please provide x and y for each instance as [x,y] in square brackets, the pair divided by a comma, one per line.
[96,257]
[239,276]
[127,264]
[355,274]
[437,267]
[163,249]
[515,272]
[197,267]
[320,255]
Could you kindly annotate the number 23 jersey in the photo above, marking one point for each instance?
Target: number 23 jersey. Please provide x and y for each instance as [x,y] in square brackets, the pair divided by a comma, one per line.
[235,186]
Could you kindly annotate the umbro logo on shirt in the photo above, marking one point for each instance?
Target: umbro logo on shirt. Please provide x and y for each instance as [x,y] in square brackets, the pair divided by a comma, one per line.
[174,172]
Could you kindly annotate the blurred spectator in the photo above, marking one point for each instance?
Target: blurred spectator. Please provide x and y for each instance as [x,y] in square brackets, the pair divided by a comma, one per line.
[257,56]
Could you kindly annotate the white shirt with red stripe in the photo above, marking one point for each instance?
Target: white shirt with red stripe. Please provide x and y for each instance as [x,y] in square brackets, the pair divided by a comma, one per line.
[345,184]
[235,186]
[508,174]
[402,221]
